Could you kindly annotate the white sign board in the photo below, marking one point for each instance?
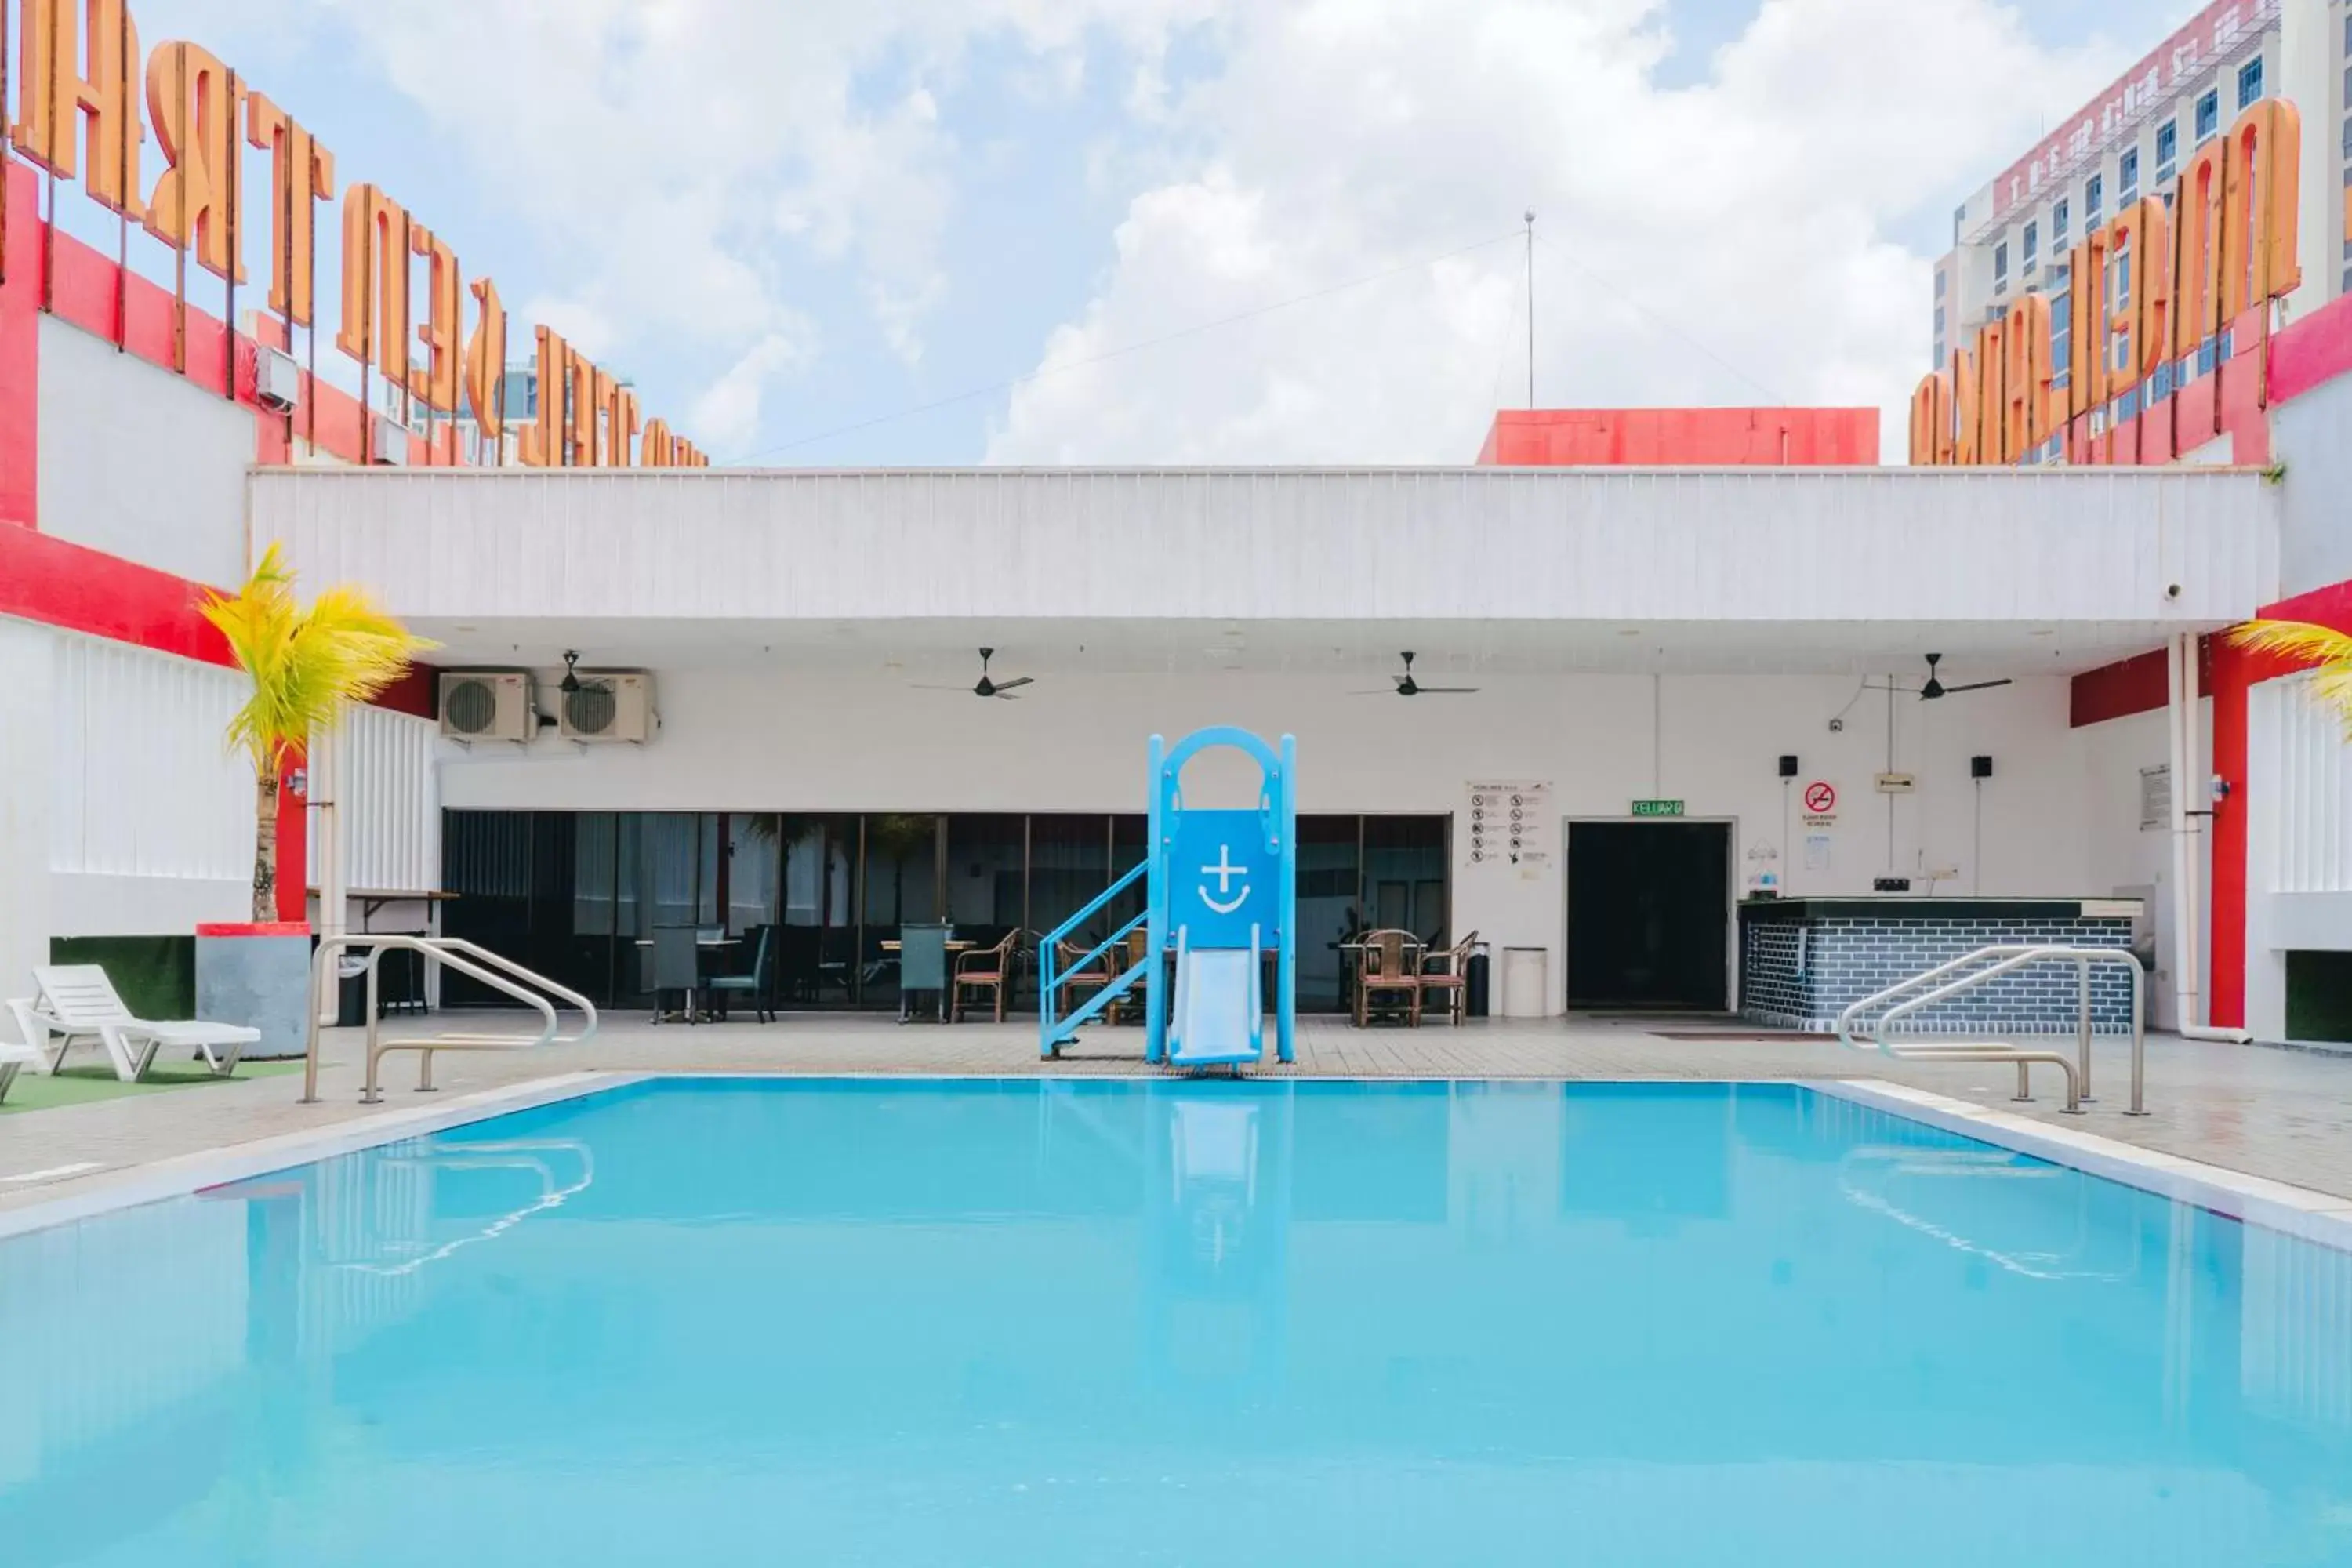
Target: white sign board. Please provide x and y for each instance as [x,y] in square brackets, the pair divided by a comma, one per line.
[1510,824]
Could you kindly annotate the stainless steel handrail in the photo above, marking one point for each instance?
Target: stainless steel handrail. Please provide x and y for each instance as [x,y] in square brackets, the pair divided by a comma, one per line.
[1987,963]
[499,974]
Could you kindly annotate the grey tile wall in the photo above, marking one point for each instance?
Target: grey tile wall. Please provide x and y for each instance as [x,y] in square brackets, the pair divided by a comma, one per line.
[1800,976]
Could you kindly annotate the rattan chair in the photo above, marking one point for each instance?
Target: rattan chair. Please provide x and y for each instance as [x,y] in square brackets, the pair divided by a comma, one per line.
[1390,969]
[989,970]
[1447,973]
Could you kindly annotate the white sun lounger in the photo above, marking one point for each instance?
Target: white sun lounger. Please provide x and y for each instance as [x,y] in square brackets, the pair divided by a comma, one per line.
[14,1057]
[77,1002]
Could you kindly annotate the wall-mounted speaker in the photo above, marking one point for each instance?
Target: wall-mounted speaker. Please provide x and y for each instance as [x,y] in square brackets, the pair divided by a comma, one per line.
[1980,767]
[1788,767]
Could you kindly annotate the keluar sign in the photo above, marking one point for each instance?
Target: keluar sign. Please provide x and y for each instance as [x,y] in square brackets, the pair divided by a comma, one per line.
[84,104]
[2151,287]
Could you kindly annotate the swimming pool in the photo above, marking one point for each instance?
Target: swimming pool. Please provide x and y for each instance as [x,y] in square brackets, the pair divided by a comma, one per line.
[1155,1322]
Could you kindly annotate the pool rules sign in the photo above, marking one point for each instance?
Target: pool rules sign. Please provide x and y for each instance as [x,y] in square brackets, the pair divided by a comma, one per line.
[1510,826]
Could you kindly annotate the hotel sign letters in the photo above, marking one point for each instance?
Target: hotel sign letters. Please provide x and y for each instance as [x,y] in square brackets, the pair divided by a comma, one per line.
[2153,286]
[85,103]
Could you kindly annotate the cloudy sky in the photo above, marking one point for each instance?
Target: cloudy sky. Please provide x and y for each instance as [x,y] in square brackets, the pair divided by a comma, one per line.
[955,231]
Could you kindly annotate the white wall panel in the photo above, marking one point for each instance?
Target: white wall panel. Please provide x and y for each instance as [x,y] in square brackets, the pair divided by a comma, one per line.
[2076,545]
[151,817]
[2299,841]
[745,741]
[139,462]
[27,664]
[391,801]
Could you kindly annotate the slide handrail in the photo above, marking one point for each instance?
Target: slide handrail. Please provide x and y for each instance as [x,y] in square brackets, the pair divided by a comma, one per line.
[1051,978]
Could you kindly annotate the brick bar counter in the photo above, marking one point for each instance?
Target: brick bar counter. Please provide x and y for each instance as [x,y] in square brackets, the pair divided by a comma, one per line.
[1802,961]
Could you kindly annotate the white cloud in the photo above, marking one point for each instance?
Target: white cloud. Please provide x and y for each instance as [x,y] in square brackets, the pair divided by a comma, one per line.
[1751,212]
[727,414]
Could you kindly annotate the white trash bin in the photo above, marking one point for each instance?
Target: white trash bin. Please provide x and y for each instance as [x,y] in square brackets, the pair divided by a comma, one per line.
[1526,984]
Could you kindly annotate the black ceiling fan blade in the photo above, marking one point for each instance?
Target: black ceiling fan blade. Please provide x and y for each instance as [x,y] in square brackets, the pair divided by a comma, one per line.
[1004,686]
[1446,691]
[1980,686]
[926,686]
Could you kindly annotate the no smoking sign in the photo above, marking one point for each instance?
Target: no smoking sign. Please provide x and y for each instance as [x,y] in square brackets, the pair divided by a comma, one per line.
[1821,797]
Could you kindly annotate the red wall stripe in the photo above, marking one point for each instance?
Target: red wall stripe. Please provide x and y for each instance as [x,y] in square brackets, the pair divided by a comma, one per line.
[2316,349]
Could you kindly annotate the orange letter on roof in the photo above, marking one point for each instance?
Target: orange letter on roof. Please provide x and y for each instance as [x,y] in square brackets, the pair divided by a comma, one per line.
[51,91]
[193,103]
[2258,217]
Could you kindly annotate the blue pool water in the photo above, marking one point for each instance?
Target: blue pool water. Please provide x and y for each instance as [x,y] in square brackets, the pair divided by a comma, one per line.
[1053,1324]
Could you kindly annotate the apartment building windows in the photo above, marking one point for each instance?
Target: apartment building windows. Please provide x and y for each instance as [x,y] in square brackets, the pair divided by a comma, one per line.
[2168,151]
[2000,267]
[2032,248]
[2209,116]
[2250,81]
[2058,216]
[2127,178]
[2094,198]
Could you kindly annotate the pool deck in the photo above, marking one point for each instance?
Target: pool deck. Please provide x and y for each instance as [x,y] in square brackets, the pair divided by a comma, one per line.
[2284,1116]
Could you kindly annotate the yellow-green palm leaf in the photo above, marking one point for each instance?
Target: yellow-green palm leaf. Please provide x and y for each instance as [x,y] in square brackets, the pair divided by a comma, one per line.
[2330,651]
[304,663]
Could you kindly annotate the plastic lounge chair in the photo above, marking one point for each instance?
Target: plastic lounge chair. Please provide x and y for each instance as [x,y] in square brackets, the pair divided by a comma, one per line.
[77,1002]
[14,1057]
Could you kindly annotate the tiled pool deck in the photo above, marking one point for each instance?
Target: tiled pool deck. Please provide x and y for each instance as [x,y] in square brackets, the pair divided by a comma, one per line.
[2284,1116]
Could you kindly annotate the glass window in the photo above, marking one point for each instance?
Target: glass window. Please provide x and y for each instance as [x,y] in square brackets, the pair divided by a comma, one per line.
[2032,244]
[2127,178]
[1069,865]
[1405,876]
[2095,197]
[2250,81]
[2000,262]
[1939,320]
[1940,280]
[2209,116]
[2167,143]
[2061,315]
[2059,215]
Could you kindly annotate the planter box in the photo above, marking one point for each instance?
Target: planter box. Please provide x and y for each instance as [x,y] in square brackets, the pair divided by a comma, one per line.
[259,977]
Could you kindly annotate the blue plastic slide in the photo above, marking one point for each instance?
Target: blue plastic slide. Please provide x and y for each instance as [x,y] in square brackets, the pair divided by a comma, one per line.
[1219,1014]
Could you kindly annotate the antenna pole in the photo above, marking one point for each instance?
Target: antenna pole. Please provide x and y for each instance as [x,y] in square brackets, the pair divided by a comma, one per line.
[1531,308]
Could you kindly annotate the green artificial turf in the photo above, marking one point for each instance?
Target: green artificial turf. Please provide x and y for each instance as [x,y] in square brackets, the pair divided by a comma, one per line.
[85,1081]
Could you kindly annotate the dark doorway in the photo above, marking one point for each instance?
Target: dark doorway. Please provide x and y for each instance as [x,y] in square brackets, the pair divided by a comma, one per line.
[1649,913]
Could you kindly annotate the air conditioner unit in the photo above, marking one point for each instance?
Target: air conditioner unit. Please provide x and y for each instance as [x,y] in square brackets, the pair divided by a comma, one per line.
[485,705]
[611,705]
[389,443]
[278,380]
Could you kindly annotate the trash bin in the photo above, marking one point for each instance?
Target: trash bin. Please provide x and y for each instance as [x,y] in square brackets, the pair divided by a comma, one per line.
[1474,981]
[1526,981]
[351,987]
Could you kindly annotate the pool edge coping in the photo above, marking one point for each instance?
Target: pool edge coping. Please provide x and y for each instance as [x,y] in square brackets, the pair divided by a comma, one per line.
[2304,1213]
[183,1175]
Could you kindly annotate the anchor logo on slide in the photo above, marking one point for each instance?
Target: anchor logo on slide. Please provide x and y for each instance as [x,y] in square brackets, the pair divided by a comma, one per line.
[1224,872]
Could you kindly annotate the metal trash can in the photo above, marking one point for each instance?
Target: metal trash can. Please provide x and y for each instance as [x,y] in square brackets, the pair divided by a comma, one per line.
[1474,980]
[1526,981]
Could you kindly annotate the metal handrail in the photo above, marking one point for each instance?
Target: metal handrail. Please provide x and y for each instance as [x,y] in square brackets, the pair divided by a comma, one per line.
[1987,963]
[449,952]
[1048,981]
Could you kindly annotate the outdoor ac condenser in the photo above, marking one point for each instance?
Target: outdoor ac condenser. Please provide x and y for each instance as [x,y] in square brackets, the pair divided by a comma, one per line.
[611,705]
[485,705]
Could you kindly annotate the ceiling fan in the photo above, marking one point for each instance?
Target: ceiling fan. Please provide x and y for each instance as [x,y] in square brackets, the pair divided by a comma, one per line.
[1406,685]
[987,687]
[1935,688]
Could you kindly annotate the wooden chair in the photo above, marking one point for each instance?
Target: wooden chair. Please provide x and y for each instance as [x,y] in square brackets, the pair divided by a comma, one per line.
[1128,1008]
[1391,968]
[1447,973]
[989,970]
[1074,981]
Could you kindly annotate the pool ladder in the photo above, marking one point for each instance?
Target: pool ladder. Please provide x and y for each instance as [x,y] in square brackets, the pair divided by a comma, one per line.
[1947,981]
[473,961]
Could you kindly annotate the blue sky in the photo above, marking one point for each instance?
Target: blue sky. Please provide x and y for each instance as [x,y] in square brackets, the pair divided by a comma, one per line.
[917,199]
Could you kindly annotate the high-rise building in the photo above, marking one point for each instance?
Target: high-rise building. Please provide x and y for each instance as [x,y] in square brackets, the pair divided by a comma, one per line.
[2013,237]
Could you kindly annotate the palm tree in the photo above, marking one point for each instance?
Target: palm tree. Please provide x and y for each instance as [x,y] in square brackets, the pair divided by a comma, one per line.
[2328,650]
[304,666]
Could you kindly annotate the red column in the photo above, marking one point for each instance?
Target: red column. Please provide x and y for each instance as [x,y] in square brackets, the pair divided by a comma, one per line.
[20,345]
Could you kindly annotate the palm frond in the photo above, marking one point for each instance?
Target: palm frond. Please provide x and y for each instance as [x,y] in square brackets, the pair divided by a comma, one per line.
[2295,639]
[304,663]
[2328,650]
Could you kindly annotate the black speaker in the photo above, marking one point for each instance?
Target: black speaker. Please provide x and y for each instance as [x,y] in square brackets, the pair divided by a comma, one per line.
[1980,767]
[1788,767]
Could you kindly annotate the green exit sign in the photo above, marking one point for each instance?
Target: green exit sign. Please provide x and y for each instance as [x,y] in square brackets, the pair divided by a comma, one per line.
[1657,808]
